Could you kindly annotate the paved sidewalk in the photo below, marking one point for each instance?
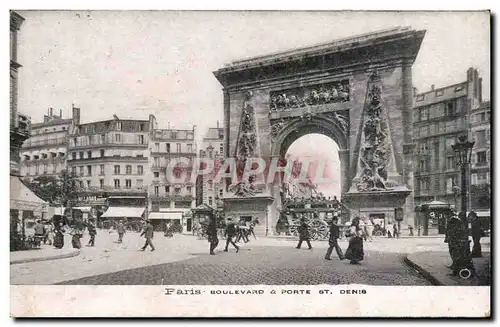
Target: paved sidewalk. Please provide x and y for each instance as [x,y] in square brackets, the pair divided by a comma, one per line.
[44,253]
[433,266]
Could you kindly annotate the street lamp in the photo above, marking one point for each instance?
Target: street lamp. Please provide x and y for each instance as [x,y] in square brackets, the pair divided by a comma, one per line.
[463,153]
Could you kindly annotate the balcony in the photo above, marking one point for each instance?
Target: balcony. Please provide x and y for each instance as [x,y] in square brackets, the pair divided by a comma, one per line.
[112,189]
[156,152]
[172,197]
[109,158]
[104,144]
[43,143]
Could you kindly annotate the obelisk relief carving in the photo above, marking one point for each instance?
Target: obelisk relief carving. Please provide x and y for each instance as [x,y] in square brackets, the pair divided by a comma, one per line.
[246,148]
[376,162]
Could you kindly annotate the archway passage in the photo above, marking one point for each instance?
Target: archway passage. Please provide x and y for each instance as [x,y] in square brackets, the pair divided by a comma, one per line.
[321,154]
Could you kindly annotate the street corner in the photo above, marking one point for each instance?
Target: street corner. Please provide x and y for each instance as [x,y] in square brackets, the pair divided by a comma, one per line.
[44,254]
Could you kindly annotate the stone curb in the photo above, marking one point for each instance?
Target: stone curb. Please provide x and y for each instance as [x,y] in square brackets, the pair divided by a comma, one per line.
[54,257]
[426,274]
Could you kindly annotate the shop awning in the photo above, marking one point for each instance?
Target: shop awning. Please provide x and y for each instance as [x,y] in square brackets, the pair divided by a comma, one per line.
[83,209]
[165,215]
[22,198]
[123,212]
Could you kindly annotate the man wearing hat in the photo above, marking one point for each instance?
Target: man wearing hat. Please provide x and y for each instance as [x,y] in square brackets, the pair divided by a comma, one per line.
[333,240]
[230,233]
[304,234]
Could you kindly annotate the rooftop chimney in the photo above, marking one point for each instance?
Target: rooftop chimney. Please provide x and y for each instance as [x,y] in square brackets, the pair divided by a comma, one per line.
[432,87]
[217,123]
[51,112]
[60,113]
[76,114]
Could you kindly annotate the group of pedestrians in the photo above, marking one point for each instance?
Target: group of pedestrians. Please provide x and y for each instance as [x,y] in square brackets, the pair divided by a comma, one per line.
[233,233]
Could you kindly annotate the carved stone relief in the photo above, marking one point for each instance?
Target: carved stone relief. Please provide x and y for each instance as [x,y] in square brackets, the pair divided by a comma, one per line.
[335,92]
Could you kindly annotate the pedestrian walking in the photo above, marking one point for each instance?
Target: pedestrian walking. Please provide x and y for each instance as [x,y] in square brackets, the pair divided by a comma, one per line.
[251,225]
[242,231]
[148,233]
[39,232]
[49,234]
[410,228]
[120,228]
[395,230]
[304,234]
[229,234]
[213,239]
[58,236]
[355,251]
[333,240]
[77,233]
[477,232]
[92,233]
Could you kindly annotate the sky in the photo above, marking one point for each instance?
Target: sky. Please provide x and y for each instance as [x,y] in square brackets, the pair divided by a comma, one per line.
[133,63]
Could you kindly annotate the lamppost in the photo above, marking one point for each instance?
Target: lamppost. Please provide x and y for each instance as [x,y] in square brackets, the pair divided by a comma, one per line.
[463,153]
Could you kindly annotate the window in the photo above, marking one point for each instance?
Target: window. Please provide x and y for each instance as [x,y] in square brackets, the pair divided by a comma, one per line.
[45,168]
[118,137]
[140,170]
[424,148]
[157,147]
[221,193]
[89,154]
[450,182]
[73,171]
[189,148]
[210,184]
[424,130]
[102,153]
[117,183]
[424,185]
[88,184]
[128,183]
[103,138]
[482,178]
[119,126]
[167,189]
[81,154]
[139,155]
[481,158]
[156,162]
[177,190]
[168,147]
[75,143]
[81,184]
[424,165]
[451,108]
[210,201]
[54,167]
[178,147]
[156,174]
[81,170]
[480,139]
[449,142]
[37,169]
[117,169]
[481,117]
[142,127]
[221,149]
[189,189]
[128,169]
[140,139]
[157,190]
[101,170]
[450,162]
[174,134]
[139,182]
[89,170]
[423,114]
[101,183]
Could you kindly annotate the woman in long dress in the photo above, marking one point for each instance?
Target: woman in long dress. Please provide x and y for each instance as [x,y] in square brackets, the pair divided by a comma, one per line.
[355,250]
[58,236]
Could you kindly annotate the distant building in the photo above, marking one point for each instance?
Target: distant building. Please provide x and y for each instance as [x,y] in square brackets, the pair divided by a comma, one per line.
[212,147]
[111,159]
[439,117]
[171,200]
[44,153]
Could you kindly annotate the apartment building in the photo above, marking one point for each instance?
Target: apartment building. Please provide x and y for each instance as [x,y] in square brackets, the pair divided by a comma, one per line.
[169,199]
[480,189]
[212,147]
[111,159]
[439,117]
[44,153]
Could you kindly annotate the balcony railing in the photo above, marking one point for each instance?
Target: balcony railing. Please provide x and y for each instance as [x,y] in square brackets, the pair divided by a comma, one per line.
[172,197]
[134,189]
[31,144]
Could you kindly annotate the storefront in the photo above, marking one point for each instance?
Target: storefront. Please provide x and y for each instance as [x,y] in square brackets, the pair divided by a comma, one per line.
[160,219]
[25,206]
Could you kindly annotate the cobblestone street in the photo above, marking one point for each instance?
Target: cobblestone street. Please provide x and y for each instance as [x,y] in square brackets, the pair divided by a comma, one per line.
[266,265]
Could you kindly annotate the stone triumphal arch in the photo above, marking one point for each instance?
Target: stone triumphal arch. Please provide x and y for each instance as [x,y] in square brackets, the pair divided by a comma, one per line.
[357,91]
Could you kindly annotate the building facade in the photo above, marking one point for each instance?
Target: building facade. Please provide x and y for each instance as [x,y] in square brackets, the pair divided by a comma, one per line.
[439,117]
[111,160]
[171,197]
[44,153]
[212,147]
[19,123]
[480,189]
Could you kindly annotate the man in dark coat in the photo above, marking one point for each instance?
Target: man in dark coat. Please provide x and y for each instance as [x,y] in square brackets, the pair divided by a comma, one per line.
[304,234]
[477,233]
[229,234]
[212,235]
[92,232]
[333,240]
[121,230]
[148,233]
